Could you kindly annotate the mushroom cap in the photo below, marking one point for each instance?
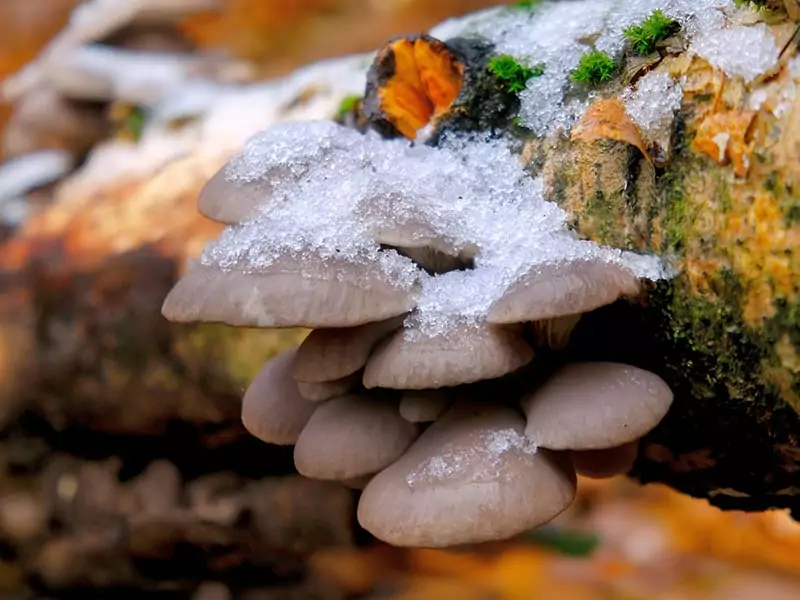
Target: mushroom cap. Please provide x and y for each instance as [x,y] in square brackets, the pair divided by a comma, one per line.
[412,360]
[288,293]
[472,477]
[272,408]
[424,406]
[351,436]
[331,354]
[228,201]
[565,289]
[595,405]
[601,464]
[324,390]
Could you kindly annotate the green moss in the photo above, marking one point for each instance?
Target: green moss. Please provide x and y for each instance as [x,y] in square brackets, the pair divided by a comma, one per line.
[595,67]
[511,74]
[644,37]
[527,3]
[347,105]
[751,3]
[720,353]
[133,124]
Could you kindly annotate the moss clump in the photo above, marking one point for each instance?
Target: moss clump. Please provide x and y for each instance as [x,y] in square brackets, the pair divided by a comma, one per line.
[655,28]
[594,68]
[528,3]
[347,106]
[511,74]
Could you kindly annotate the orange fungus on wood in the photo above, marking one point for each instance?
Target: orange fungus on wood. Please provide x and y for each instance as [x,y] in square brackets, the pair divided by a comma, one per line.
[413,81]
[723,137]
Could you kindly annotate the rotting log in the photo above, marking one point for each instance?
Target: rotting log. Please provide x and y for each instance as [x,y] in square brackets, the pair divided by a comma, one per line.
[84,348]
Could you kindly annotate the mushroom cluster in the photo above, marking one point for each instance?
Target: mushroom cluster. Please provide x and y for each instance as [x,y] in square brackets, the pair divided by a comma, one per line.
[430,278]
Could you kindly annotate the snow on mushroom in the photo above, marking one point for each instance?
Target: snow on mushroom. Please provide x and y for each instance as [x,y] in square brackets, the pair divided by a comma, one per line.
[471,477]
[429,274]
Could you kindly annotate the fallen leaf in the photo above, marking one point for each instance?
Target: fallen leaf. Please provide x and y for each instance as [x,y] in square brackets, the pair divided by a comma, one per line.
[607,120]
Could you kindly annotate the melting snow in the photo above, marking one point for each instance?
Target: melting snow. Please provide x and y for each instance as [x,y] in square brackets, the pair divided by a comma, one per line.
[489,451]
[332,190]
[339,187]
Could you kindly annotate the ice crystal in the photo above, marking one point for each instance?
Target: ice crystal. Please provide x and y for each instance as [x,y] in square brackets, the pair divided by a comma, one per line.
[653,102]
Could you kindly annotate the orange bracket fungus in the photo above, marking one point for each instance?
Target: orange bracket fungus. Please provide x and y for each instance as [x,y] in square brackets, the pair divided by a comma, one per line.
[413,81]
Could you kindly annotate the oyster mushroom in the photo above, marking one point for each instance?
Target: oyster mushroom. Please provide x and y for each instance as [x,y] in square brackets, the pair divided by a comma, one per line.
[413,360]
[471,477]
[287,293]
[245,183]
[352,436]
[595,406]
[272,408]
[324,390]
[330,354]
[230,202]
[564,289]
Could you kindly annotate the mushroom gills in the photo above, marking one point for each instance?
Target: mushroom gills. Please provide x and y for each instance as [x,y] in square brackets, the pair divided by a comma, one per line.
[602,464]
[554,333]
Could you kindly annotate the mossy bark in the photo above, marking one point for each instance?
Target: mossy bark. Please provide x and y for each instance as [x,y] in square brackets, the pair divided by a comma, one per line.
[725,331]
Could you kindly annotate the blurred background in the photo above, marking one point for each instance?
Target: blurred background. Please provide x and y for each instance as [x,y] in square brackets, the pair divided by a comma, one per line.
[124,469]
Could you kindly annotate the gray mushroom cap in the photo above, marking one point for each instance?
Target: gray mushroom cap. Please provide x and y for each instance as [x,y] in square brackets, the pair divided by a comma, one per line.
[351,436]
[272,408]
[324,390]
[595,405]
[413,360]
[472,477]
[565,289]
[330,354]
[288,293]
[231,202]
